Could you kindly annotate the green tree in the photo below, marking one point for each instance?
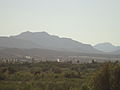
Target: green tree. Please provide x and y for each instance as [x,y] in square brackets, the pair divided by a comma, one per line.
[2,76]
[85,87]
[101,80]
[115,82]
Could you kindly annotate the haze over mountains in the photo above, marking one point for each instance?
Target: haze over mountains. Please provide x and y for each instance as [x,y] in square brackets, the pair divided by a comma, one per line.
[107,47]
[43,40]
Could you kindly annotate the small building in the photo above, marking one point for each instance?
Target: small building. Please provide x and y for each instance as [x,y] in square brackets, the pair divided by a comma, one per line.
[28,57]
[58,60]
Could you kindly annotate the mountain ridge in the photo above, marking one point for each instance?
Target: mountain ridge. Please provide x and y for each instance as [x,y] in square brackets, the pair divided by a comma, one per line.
[44,40]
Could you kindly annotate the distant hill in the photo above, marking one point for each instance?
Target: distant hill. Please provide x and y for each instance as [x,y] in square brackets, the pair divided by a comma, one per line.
[15,52]
[36,52]
[116,52]
[107,47]
[44,40]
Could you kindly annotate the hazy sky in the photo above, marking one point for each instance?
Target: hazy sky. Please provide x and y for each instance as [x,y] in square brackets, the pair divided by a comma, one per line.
[88,21]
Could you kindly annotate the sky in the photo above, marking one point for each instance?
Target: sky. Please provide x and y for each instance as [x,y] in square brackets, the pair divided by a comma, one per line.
[87,21]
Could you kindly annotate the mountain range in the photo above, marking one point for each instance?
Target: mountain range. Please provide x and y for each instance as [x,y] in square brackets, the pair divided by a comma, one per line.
[43,40]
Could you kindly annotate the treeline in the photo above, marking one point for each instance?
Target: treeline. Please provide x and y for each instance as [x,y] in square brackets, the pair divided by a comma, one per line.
[60,76]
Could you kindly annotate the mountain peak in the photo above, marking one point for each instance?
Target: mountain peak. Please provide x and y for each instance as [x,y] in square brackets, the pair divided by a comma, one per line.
[105,44]
[106,47]
[29,33]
